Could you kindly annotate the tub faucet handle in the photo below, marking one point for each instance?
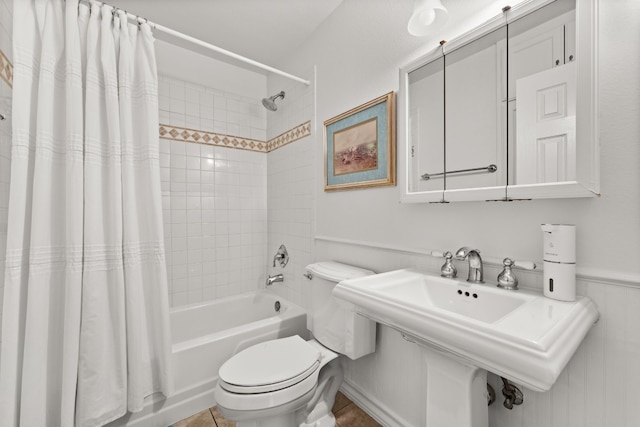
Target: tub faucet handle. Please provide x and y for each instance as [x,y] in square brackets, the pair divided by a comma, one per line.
[281,256]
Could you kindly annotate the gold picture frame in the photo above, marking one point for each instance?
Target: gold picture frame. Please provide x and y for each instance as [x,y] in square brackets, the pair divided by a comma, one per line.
[360,146]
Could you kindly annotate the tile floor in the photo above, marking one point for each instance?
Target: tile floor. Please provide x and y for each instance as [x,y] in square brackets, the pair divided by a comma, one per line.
[346,412]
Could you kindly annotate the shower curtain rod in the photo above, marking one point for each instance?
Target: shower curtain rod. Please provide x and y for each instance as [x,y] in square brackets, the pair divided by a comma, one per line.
[203,44]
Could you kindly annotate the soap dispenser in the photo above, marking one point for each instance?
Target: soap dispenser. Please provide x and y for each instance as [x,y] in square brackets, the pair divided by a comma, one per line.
[559,256]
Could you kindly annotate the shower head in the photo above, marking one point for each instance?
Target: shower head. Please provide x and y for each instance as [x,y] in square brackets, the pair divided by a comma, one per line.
[270,103]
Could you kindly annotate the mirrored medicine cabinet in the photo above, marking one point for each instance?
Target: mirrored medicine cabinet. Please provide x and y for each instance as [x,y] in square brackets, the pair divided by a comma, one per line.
[507,111]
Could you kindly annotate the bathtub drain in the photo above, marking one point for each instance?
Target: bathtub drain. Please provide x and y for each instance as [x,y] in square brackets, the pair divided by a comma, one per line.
[277,306]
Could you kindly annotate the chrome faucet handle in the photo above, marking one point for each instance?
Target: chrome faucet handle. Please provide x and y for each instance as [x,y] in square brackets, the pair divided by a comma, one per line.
[448,269]
[507,278]
[282,256]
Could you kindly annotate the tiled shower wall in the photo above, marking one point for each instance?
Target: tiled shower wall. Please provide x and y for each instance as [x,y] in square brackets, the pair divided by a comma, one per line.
[290,180]
[214,196]
[6,81]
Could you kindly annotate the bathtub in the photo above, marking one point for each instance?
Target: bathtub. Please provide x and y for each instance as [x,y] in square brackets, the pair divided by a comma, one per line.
[204,336]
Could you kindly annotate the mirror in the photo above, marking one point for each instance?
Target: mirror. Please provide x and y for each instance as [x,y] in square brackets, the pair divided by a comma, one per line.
[506,111]
[426,125]
[475,114]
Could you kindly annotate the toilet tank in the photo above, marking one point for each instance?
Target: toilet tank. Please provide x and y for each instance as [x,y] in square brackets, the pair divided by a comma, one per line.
[333,324]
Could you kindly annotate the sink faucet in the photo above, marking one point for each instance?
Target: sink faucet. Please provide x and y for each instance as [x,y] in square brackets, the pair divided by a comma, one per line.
[272,279]
[475,263]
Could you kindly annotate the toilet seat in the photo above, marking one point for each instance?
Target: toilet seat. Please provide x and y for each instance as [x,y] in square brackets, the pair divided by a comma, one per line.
[269,366]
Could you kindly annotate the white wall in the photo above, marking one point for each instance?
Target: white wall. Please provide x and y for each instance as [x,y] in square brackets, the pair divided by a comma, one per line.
[180,63]
[357,54]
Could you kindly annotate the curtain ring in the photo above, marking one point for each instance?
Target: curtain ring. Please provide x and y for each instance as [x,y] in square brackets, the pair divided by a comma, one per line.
[141,21]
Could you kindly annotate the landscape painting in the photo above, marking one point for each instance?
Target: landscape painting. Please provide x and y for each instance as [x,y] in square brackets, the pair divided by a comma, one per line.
[355,149]
[360,146]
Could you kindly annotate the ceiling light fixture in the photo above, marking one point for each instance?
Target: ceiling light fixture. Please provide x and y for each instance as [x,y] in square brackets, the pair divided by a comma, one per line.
[425,13]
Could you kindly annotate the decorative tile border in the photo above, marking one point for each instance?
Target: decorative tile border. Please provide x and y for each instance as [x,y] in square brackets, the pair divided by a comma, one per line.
[6,69]
[299,132]
[211,138]
[177,133]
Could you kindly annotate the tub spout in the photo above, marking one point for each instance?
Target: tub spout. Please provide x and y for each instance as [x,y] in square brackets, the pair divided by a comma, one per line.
[277,278]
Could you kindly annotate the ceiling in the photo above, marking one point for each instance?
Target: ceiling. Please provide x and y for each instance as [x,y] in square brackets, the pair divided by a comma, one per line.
[268,30]
[262,30]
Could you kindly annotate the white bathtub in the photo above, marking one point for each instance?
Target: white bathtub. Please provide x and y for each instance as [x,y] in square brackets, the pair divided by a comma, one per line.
[204,336]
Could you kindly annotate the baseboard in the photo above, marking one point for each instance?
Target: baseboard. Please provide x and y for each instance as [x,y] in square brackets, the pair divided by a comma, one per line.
[162,413]
[378,410]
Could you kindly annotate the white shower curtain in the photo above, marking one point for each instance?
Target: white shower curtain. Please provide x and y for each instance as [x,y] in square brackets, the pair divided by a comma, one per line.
[85,330]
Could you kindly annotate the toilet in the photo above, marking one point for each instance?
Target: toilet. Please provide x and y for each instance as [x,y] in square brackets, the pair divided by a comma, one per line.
[290,382]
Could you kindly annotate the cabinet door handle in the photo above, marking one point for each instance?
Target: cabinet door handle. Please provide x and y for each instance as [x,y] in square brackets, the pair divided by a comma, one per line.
[557,62]
[570,57]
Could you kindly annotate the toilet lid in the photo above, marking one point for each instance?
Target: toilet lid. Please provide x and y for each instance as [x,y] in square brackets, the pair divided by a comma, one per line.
[269,366]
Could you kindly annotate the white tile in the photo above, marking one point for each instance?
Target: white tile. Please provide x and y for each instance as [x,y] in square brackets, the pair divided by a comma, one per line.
[194,202]
[164,103]
[193,176]
[178,119]
[194,296]
[176,186]
[193,95]
[178,148]
[220,103]
[194,229]
[178,299]
[206,99]
[193,163]
[177,91]
[206,112]
[192,109]
[194,216]
[165,160]
[192,122]
[206,151]
[194,257]
[178,258]
[194,188]
[207,125]
[177,106]
[192,149]
[165,173]
[179,243]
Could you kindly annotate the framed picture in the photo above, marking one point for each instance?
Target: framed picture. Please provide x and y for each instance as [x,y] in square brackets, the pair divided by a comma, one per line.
[360,146]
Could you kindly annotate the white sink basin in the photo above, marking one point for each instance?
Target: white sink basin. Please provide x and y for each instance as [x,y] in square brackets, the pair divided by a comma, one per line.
[519,335]
[459,298]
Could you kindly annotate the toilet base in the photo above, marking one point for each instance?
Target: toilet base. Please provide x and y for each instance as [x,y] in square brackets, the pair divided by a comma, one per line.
[278,416]
[318,412]
[312,409]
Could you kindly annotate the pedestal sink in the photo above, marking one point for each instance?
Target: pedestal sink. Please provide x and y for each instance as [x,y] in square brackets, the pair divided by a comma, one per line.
[468,329]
